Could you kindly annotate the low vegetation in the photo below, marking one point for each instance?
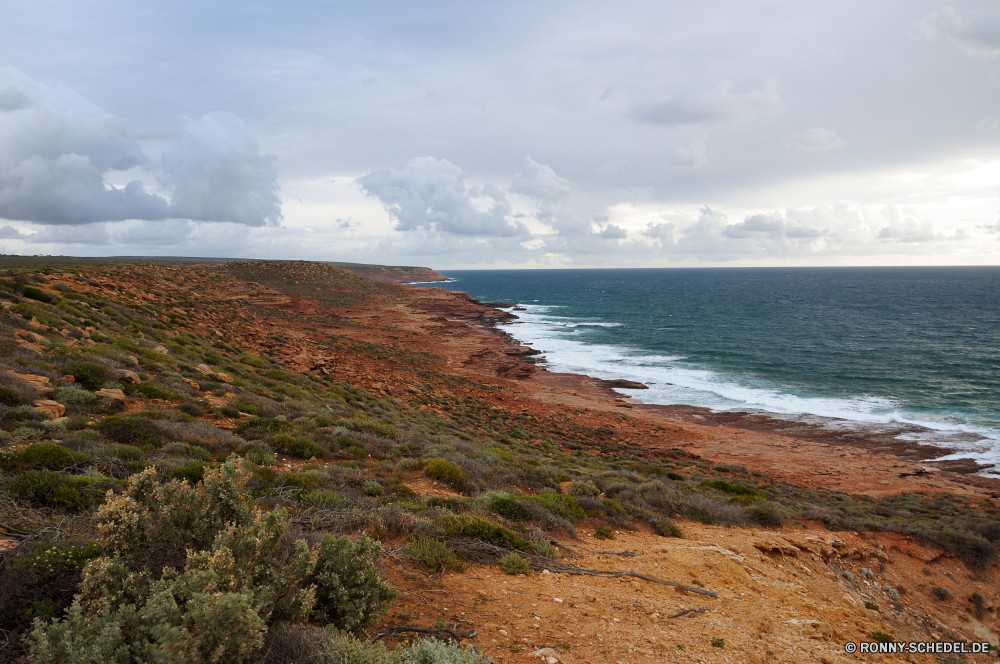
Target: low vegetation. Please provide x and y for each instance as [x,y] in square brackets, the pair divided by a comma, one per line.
[199,495]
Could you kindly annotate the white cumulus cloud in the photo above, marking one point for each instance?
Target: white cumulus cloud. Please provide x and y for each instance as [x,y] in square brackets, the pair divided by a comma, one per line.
[430,194]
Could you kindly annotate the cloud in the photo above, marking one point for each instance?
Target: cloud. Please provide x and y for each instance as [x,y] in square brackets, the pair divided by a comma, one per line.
[693,155]
[977,35]
[771,225]
[715,106]
[218,174]
[11,233]
[57,150]
[815,140]
[612,232]
[430,194]
[540,182]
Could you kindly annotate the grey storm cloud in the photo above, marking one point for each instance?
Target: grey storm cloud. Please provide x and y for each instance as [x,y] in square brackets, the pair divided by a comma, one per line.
[430,194]
[721,104]
[57,148]
[977,34]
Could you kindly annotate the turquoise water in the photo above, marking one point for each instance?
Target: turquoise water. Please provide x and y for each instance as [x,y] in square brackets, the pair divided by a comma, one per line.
[851,345]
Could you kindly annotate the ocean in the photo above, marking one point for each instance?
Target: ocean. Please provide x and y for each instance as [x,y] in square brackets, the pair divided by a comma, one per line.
[845,347]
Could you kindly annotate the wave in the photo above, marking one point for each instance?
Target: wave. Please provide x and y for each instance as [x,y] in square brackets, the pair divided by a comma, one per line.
[671,379]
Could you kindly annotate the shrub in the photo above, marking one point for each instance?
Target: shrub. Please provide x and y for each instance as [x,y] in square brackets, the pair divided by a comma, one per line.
[344,648]
[193,472]
[506,506]
[150,391]
[718,642]
[10,397]
[71,396]
[72,493]
[980,603]
[543,547]
[265,425]
[561,505]
[322,498]
[665,528]
[735,489]
[603,533]
[410,464]
[251,360]
[131,430]
[882,637]
[432,555]
[942,594]
[302,448]
[46,455]
[89,374]
[677,477]
[36,294]
[586,488]
[259,453]
[444,470]
[765,512]
[232,578]
[465,525]
[515,564]
[372,488]
[349,592]
[872,606]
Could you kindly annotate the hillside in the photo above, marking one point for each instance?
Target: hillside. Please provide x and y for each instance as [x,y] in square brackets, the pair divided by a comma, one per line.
[172,427]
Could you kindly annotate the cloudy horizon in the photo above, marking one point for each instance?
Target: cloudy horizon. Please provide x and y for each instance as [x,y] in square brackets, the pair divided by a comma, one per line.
[509,135]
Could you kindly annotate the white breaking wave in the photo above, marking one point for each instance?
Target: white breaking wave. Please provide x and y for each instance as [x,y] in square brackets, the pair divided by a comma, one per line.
[671,381]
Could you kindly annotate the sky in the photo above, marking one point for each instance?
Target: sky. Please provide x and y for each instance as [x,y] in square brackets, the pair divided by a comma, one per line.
[505,134]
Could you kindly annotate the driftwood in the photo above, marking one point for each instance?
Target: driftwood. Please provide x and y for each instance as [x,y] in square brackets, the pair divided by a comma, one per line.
[434,631]
[687,611]
[480,551]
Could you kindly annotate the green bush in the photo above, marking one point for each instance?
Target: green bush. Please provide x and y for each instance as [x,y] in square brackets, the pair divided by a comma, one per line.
[561,505]
[664,528]
[46,455]
[515,564]
[586,488]
[265,425]
[735,489]
[251,360]
[322,498]
[71,396]
[444,470]
[192,471]
[35,294]
[302,448]
[872,606]
[882,637]
[603,533]
[432,555]
[349,592]
[89,374]
[344,648]
[677,477]
[943,594]
[259,453]
[372,488]
[131,430]
[506,505]
[150,391]
[543,547]
[10,397]
[465,525]
[72,493]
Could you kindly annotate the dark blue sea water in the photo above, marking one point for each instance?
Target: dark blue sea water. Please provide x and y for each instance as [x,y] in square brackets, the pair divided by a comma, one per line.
[859,345]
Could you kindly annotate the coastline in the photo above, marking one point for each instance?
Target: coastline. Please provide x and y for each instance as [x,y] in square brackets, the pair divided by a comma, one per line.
[851,458]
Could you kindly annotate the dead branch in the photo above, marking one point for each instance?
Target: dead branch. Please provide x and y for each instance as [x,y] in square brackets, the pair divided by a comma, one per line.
[687,611]
[434,631]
